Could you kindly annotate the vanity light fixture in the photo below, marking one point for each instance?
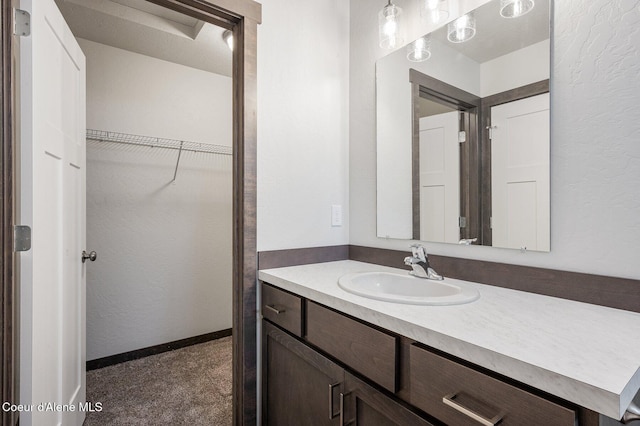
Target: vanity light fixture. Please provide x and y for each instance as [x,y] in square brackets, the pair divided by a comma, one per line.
[434,11]
[227,36]
[462,29]
[419,50]
[515,8]
[389,26]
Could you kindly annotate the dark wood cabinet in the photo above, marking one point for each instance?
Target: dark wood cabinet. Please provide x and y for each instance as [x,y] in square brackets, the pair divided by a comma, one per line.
[322,367]
[300,386]
[366,406]
[282,308]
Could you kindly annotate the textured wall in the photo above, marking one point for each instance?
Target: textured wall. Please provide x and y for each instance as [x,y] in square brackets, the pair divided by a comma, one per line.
[303,119]
[138,94]
[595,149]
[164,250]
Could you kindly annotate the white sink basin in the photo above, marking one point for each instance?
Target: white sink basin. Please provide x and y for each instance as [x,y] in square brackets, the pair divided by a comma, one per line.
[407,289]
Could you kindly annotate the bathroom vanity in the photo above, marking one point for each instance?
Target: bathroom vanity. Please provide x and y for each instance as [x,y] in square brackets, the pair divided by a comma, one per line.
[513,358]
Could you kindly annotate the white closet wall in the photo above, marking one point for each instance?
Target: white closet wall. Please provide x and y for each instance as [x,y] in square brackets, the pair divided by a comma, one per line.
[164,250]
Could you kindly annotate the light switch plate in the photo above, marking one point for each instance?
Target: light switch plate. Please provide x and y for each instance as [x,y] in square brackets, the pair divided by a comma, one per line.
[336,215]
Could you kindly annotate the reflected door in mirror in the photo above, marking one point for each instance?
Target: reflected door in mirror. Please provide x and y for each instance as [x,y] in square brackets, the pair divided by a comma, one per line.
[520,174]
[439,178]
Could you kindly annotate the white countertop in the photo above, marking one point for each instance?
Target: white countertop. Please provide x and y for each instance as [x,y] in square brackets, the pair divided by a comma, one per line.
[584,353]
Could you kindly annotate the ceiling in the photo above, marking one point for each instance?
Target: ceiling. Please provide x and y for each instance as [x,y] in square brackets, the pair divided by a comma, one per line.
[142,27]
[496,36]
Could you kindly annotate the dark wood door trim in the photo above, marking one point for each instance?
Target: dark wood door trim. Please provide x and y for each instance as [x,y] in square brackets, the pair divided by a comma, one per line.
[468,104]
[8,300]
[243,17]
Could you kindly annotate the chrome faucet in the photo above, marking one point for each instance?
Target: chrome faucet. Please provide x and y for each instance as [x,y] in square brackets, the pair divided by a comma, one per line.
[420,264]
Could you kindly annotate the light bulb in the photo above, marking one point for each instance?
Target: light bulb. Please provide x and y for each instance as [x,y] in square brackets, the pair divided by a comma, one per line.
[462,29]
[389,26]
[419,50]
[434,11]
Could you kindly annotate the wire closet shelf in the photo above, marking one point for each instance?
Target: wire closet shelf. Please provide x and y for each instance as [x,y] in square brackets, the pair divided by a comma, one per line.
[155,142]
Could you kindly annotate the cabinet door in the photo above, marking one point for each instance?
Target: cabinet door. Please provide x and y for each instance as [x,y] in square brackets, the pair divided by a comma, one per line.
[364,405]
[300,386]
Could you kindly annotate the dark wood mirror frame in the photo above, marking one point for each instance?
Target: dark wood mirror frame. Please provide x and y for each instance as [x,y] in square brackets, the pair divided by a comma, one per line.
[243,17]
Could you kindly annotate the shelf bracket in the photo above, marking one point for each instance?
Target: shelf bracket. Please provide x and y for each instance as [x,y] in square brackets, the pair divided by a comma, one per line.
[175,172]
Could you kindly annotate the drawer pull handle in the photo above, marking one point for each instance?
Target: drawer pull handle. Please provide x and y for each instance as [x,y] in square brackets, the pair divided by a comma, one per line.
[450,401]
[331,387]
[342,395]
[274,309]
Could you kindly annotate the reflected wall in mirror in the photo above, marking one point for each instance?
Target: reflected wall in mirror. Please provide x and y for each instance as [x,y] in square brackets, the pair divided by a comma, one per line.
[463,137]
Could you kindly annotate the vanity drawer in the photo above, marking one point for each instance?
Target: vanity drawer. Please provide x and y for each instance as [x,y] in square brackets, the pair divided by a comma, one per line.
[459,395]
[282,308]
[369,351]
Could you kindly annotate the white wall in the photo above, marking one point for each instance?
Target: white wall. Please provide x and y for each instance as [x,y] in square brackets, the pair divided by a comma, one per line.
[595,154]
[164,250]
[138,94]
[303,123]
[524,66]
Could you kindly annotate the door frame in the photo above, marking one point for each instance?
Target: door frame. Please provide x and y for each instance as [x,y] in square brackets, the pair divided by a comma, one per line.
[8,294]
[468,104]
[242,17]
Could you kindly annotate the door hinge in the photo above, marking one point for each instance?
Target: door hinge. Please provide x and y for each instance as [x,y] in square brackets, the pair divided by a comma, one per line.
[21,23]
[462,221]
[462,136]
[21,238]
[491,222]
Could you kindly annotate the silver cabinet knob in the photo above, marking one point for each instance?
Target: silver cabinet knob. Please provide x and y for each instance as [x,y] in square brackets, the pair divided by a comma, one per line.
[91,256]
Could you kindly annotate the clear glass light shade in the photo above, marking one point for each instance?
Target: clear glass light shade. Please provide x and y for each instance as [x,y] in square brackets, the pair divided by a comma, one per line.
[515,8]
[390,27]
[462,29]
[434,11]
[419,50]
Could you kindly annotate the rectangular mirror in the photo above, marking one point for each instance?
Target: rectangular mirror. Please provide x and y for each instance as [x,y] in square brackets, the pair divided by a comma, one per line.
[463,135]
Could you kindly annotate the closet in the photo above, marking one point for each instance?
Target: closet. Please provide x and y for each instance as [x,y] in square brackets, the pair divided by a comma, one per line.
[159,201]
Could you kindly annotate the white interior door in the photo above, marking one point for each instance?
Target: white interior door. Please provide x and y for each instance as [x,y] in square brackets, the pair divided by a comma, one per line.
[440,178]
[520,174]
[52,282]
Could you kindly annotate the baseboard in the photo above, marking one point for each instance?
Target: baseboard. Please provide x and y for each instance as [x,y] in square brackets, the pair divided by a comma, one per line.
[613,292]
[301,256]
[95,364]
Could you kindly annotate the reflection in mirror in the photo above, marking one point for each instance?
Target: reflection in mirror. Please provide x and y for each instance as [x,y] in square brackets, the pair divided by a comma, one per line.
[463,136]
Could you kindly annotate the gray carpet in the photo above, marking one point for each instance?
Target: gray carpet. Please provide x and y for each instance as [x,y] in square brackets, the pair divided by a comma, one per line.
[188,386]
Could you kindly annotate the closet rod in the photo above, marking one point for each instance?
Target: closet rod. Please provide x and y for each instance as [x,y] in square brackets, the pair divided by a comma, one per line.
[155,142]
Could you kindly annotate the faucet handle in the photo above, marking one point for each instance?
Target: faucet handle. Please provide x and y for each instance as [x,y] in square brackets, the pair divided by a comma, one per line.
[418,252]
